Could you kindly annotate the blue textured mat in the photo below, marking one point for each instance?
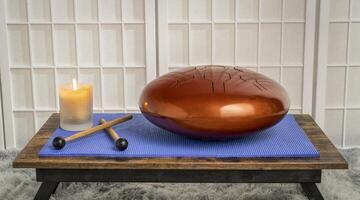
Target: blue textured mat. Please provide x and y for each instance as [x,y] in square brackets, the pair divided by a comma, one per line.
[286,139]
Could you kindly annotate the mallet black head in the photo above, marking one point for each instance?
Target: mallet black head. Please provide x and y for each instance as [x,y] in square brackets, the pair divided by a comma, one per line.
[121,144]
[58,142]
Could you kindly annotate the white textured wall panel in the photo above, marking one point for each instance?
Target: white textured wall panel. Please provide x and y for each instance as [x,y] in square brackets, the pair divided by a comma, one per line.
[101,42]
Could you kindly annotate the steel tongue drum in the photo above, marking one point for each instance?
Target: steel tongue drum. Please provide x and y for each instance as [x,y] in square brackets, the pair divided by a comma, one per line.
[214,102]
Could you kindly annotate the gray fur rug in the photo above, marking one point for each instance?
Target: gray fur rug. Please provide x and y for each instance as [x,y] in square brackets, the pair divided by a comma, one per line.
[336,184]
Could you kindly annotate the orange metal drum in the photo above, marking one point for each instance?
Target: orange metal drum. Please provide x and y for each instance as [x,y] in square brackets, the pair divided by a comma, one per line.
[214,102]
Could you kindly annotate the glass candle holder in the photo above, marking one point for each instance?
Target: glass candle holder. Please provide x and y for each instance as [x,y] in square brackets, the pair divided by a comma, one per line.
[76,106]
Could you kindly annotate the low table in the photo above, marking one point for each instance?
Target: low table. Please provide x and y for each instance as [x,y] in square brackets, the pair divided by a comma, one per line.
[306,171]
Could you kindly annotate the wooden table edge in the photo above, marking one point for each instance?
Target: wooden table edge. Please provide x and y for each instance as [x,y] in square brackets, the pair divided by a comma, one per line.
[179,163]
[299,166]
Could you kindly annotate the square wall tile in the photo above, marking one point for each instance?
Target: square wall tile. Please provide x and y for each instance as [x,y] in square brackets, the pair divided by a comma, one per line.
[177,10]
[224,43]
[178,45]
[335,86]
[334,126]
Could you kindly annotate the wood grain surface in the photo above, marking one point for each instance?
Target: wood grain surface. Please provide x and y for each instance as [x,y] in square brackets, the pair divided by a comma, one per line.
[330,158]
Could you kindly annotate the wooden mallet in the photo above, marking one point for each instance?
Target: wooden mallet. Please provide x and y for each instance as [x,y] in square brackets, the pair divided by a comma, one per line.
[60,142]
[120,143]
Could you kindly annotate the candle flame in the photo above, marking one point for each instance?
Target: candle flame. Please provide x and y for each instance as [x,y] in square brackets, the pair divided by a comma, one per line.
[74,84]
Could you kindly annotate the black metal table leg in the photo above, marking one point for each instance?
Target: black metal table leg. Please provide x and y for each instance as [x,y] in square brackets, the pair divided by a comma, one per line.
[45,190]
[311,191]
[53,192]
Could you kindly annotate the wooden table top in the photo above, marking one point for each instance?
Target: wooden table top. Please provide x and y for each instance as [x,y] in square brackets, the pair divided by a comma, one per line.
[330,158]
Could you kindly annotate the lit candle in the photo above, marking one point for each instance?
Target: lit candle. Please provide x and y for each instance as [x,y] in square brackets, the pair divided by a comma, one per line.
[76,106]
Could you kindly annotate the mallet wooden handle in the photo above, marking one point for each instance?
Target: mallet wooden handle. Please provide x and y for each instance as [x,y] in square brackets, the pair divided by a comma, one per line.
[110,130]
[120,143]
[99,127]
